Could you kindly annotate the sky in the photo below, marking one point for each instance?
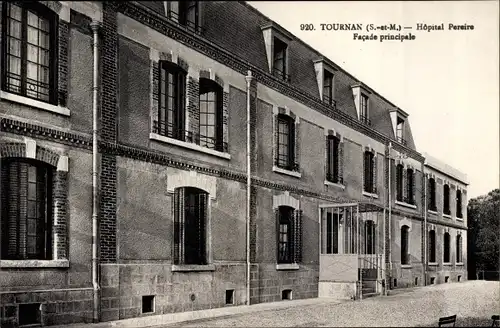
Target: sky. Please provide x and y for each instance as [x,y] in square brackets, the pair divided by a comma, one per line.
[446,80]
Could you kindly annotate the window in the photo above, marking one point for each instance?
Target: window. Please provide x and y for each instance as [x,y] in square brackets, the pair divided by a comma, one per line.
[26,210]
[410,187]
[285,252]
[459,249]
[364,110]
[331,235]
[369,237]
[446,248]
[190,220]
[328,87]
[399,182]
[459,204]
[171,111]
[405,257]
[333,164]
[432,246]
[210,115]
[286,143]
[400,131]
[148,304]
[446,199]
[189,15]
[432,194]
[279,59]
[369,171]
[29,48]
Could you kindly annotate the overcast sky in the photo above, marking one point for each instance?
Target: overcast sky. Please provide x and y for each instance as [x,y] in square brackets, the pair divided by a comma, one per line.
[447,81]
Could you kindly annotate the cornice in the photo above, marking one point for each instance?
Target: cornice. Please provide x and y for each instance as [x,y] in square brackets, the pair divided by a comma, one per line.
[161,24]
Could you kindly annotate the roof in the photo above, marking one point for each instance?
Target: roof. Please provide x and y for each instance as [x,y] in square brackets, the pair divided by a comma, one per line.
[444,168]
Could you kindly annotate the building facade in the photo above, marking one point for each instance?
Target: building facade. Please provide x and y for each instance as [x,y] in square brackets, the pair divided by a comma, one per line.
[161,157]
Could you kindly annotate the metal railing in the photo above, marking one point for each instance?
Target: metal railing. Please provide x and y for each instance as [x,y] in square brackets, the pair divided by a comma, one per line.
[365,120]
[401,140]
[282,75]
[190,25]
[295,167]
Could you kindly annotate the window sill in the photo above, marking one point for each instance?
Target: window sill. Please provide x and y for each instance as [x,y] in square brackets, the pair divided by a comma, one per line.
[432,212]
[192,146]
[333,184]
[192,267]
[447,263]
[448,216]
[406,266]
[460,219]
[369,194]
[34,103]
[287,266]
[459,264]
[406,204]
[34,264]
[433,264]
[287,172]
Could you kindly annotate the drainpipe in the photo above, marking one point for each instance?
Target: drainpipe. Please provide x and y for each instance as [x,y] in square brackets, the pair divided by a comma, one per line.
[248,78]
[388,283]
[95,274]
[425,224]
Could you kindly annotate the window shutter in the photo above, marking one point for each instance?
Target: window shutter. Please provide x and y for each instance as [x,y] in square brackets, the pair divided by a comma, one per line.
[203,210]
[178,226]
[297,236]
[275,138]
[328,158]
[365,171]
[414,188]
[405,185]
[292,148]
[374,174]
[277,219]
[429,194]
[341,162]
[295,128]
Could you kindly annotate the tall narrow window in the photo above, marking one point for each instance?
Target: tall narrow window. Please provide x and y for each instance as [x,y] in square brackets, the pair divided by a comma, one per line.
[285,237]
[459,204]
[400,130]
[332,173]
[210,115]
[446,248]
[171,111]
[446,199]
[405,257]
[399,182]
[26,213]
[432,195]
[189,14]
[279,59]
[410,185]
[286,143]
[432,246]
[29,48]
[364,110]
[331,233]
[190,216]
[459,248]
[328,87]
[369,171]
[369,237]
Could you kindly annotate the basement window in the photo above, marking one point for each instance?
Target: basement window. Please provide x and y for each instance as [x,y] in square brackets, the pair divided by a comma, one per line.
[286,294]
[446,278]
[416,281]
[30,314]
[433,279]
[148,304]
[229,296]
[395,282]
[459,278]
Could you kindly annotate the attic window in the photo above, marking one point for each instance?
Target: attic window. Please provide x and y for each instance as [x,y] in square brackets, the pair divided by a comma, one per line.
[280,59]
[185,13]
[364,114]
[400,130]
[328,87]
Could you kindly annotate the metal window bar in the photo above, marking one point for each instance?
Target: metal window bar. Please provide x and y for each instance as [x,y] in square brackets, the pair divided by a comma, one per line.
[365,119]
[281,74]
[192,26]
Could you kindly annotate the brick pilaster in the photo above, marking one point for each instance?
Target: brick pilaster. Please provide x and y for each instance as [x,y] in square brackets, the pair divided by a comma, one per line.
[193,107]
[62,79]
[59,208]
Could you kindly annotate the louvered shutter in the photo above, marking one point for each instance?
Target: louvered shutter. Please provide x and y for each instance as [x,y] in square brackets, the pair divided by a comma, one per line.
[341,162]
[429,194]
[179,226]
[202,219]
[297,236]
[276,140]
[277,220]
[328,168]
[374,174]
[414,188]
[405,185]
[293,145]
[366,165]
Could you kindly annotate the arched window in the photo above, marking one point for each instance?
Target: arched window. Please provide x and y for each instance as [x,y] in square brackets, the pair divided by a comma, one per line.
[369,237]
[405,257]
[211,115]
[171,110]
[432,194]
[399,182]
[286,142]
[432,246]
[459,203]
[446,199]
[446,248]
[190,221]
[26,209]
[410,185]
[285,234]
[459,249]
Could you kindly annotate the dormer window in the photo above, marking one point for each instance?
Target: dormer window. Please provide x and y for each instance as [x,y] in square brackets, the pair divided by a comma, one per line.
[364,114]
[328,87]
[279,59]
[325,76]
[186,13]
[398,118]
[399,130]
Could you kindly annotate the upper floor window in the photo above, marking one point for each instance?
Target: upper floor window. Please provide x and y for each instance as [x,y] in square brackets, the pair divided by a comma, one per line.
[171,111]
[211,125]
[190,221]
[328,87]
[459,249]
[459,204]
[369,172]
[26,209]
[410,186]
[446,247]
[186,13]
[286,143]
[400,130]
[446,199]
[29,50]
[432,194]
[364,114]
[280,59]
[399,182]
[332,172]
[405,256]
[432,246]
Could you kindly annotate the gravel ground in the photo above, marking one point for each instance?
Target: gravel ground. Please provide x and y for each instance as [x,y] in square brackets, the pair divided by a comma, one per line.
[474,302]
